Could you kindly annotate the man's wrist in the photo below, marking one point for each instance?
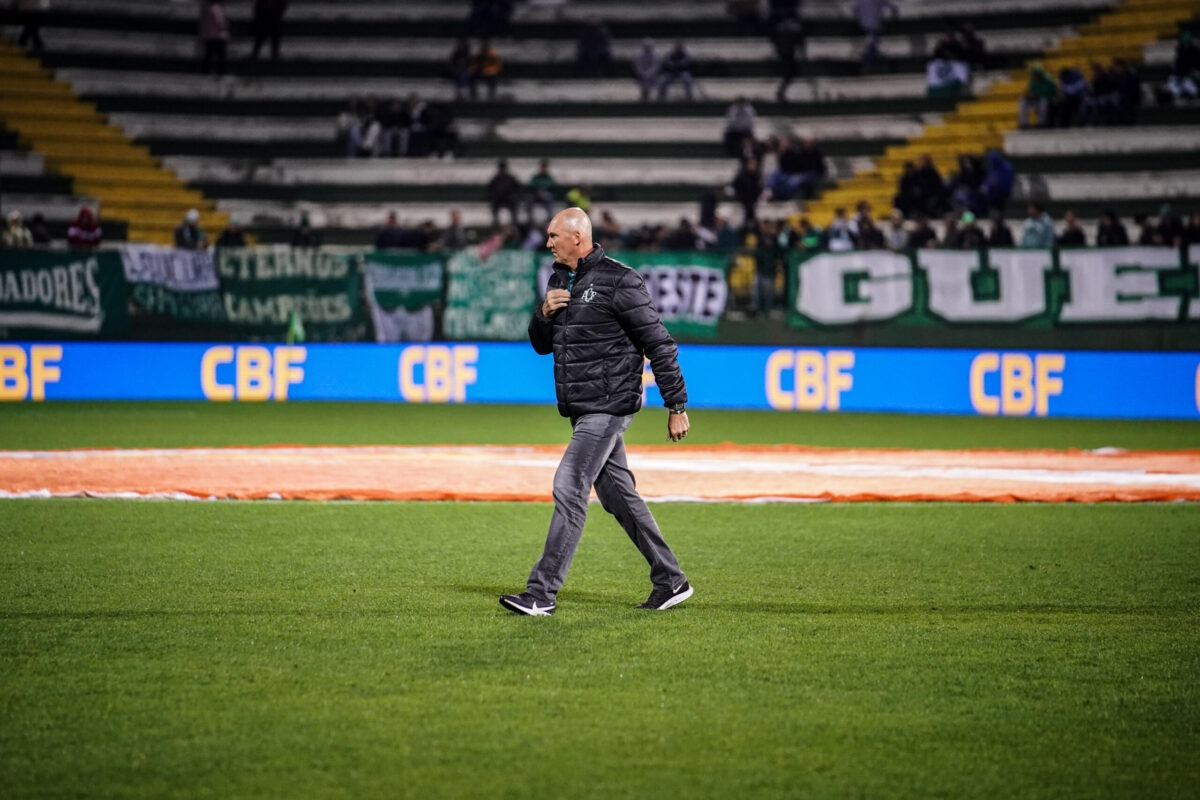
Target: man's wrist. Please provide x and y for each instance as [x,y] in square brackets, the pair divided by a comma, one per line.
[677,408]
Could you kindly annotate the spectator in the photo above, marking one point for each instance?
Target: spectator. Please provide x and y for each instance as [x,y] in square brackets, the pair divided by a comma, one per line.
[1067,104]
[214,37]
[1170,230]
[1129,92]
[838,237]
[486,66]
[305,236]
[1110,232]
[395,129]
[503,191]
[709,200]
[454,237]
[31,13]
[950,47]
[391,236]
[751,149]
[189,236]
[1183,84]
[768,258]
[739,123]
[85,232]
[16,236]
[1072,234]
[970,236]
[867,235]
[233,235]
[787,37]
[1000,235]
[608,232]
[896,237]
[458,67]
[930,191]
[593,53]
[869,14]
[799,170]
[950,231]
[682,237]
[998,180]
[646,67]
[808,236]
[1100,104]
[1039,94]
[922,234]
[38,230]
[676,68]
[974,48]
[966,185]
[365,134]
[907,200]
[1039,229]
[268,26]
[1146,230]
[579,197]
[542,193]
[1191,234]
[746,188]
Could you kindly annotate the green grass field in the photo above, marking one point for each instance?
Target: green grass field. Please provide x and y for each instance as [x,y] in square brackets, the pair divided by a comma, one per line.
[153,649]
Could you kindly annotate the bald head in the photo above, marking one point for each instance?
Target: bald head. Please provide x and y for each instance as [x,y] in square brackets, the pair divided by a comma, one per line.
[569,236]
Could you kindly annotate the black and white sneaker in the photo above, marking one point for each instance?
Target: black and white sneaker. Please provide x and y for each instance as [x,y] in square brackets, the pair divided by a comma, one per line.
[525,603]
[662,599]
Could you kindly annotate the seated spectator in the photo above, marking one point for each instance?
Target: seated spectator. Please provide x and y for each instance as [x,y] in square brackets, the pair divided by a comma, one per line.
[85,232]
[866,233]
[38,230]
[922,235]
[542,192]
[1147,232]
[1110,232]
[593,52]
[1039,93]
[458,68]
[681,237]
[747,188]
[233,235]
[16,236]
[930,190]
[1038,231]
[1129,92]
[998,180]
[739,123]
[1068,103]
[676,68]
[608,231]
[363,132]
[454,237]
[950,47]
[799,170]
[906,200]
[392,236]
[1183,84]
[395,129]
[486,67]
[503,191]
[1100,104]
[896,237]
[646,67]
[189,235]
[1072,234]
[974,48]
[305,236]
[966,185]
[709,200]
[970,235]
[1000,234]
[1170,230]
[839,237]
[579,197]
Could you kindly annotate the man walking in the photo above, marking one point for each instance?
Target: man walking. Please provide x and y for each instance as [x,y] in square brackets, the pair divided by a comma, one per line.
[599,322]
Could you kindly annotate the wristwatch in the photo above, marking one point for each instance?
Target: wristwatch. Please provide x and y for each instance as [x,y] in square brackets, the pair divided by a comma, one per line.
[678,408]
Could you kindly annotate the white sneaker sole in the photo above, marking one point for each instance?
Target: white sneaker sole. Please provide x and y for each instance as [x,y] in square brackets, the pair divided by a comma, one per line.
[676,599]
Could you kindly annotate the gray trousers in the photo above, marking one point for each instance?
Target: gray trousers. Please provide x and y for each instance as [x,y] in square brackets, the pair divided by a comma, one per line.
[596,457]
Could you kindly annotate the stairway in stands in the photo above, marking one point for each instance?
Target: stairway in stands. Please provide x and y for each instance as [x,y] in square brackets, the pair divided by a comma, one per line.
[978,124]
[78,141]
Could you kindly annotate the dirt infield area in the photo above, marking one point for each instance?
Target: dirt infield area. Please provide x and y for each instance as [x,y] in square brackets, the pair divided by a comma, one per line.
[681,472]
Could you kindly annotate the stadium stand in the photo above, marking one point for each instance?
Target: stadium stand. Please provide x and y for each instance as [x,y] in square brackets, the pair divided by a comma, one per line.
[121,115]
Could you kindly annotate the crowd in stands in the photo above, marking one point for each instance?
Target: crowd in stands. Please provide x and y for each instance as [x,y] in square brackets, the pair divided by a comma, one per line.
[409,127]
[1112,95]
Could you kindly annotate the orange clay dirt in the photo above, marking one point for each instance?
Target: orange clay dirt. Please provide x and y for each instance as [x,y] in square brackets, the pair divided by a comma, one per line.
[666,472]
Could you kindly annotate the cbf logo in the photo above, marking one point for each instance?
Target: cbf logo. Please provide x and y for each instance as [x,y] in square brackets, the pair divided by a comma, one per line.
[589,294]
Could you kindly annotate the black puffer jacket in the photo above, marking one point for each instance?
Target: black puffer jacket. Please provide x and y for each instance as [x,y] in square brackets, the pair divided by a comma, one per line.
[600,338]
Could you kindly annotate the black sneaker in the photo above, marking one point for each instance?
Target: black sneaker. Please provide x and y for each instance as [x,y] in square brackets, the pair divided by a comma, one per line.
[662,599]
[525,603]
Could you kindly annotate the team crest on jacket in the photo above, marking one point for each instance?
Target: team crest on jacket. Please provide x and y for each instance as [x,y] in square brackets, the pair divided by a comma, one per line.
[589,294]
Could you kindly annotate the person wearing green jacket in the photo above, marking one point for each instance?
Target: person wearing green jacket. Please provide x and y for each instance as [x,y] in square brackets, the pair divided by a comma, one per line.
[1040,92]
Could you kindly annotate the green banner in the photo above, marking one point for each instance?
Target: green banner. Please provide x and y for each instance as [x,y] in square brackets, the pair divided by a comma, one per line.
[168,282]
[689,289]
[1019,288]
[62,292]
[492,298]
[404,280]
[262,286]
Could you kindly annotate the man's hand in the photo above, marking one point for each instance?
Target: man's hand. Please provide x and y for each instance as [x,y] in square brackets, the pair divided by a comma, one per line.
[555,299]
[677,426]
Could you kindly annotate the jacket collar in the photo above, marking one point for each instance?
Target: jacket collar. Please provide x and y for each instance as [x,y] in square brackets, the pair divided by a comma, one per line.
[587,262]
